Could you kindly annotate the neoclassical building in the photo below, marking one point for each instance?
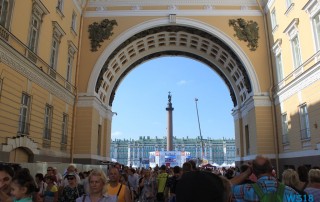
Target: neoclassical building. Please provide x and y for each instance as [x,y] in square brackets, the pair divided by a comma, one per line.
[62,61]
[136,152]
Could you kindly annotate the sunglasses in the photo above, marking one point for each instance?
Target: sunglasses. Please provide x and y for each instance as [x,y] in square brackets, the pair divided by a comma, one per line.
[49,170]
[70,178]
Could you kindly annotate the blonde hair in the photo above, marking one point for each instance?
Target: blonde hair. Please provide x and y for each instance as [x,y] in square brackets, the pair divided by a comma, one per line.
[290,178]
[314,176]
[103,178]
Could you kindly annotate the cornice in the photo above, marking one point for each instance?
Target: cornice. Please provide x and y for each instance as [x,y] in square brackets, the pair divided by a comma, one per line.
[20,64]
[99,3]
[299,84]
[108,13]
[93,101]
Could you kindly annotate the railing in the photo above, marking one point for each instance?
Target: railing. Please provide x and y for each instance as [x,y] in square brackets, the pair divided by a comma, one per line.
[22,49]
[298,71]
[46,143]
[305,134]
[23,128]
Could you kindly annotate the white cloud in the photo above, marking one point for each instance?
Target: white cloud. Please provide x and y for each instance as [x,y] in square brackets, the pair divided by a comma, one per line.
[182,82]
[116,134]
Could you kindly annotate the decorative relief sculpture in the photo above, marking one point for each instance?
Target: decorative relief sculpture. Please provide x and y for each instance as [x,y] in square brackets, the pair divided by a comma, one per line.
[247,31]
[100,32]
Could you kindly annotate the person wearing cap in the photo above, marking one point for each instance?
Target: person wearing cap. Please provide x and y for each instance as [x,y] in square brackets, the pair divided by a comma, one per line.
[71,169]
[73,190]
[161,183]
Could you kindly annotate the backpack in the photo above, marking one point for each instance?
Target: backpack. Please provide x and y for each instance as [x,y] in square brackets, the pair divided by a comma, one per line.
[268,197]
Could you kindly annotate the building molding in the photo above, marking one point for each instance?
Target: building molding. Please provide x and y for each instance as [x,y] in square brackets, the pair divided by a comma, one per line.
[99,3]
[91,156]
[20,64]
[20,142]
[93,101]
[296,154]
[305,80]
[204,12]
[252,157]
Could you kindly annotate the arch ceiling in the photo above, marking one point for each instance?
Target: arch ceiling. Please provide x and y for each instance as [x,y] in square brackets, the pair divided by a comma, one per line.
[174,40]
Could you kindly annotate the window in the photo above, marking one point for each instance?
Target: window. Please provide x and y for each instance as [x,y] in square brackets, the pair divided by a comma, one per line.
[60,5]
[288,3]
[34,33]
[304,122]
[316,27]
[71,51]
[38,11]
[64,135]
[296,52]
[54,53]
[99,139]
[57,34]
[273,19]
[279,67]
[247,136]
[285,138]
[5,12]
[47,122]
[24,124]
[74,22]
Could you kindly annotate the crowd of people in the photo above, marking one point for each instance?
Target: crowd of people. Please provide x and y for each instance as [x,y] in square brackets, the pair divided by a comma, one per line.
[254,181]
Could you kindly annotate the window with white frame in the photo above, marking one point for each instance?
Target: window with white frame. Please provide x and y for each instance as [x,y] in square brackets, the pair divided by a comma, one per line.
[64,135]
[47,122]
[279,67]
[24,125]
[34,33]
[296,52]
[54,53]
[69,68]
[288,3]
[38,11]
[74,21]
[57,34]
[285,131]
[5,12]
[71,51]
[304,122]
[316,27]
[273,19]
[60,5]
[99,139]
[278,59]
[312,7]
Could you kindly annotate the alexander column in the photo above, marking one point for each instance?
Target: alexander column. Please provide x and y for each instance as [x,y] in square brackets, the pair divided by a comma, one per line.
[169,135]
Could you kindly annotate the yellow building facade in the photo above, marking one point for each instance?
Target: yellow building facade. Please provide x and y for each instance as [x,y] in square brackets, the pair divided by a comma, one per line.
[61,64]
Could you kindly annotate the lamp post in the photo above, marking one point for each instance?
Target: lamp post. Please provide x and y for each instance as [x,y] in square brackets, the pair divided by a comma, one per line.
[202,148]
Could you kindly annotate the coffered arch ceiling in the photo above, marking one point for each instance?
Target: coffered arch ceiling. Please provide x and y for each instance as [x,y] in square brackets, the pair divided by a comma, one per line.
[174,40]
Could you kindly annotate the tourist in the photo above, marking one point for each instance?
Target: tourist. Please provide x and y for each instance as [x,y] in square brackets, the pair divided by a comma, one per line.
[290,178]
[313,188]
[23,186]
[97,188]
[115,188]
[51,192]
[73,190]
[147,187]
[262,168]
[6,175]
[161,184]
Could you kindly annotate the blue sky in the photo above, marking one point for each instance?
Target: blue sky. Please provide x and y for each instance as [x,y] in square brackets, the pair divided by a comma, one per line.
[142,97]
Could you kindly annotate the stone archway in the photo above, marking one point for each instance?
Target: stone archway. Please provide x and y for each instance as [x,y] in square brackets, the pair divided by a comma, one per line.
[20,149]
[188,38]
